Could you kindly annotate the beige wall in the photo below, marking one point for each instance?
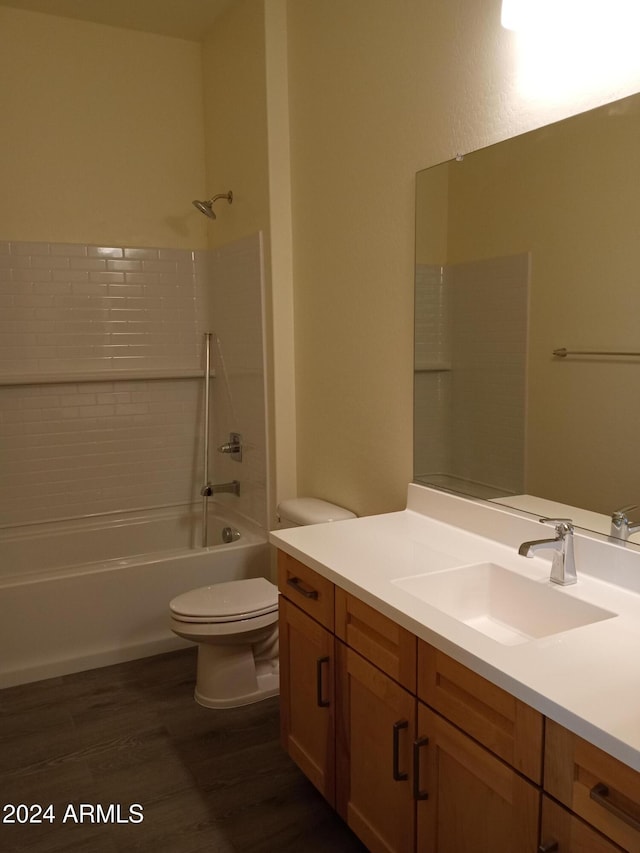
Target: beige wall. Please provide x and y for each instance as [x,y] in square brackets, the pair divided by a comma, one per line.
[102,134]
[236,122]
[379,90]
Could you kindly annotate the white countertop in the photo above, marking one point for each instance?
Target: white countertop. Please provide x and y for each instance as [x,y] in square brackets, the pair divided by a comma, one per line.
[587,679]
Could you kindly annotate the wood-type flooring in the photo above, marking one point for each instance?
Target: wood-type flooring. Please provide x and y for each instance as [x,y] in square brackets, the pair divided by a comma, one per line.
[132,734]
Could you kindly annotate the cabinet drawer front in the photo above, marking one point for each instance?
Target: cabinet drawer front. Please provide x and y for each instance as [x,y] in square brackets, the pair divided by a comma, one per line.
[569,833]
[377,638]
[306,588]
[596,786]
[505,725]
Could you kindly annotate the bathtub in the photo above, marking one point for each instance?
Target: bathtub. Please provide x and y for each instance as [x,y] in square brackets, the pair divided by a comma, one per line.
[92,592]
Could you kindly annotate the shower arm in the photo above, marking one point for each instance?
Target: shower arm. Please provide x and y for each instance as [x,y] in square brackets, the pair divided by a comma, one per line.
[228,196]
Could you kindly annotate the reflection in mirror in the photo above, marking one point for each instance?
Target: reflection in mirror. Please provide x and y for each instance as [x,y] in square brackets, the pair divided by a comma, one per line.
[526,247]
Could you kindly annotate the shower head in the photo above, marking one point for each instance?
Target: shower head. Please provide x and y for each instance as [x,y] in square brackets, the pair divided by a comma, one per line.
[206,207]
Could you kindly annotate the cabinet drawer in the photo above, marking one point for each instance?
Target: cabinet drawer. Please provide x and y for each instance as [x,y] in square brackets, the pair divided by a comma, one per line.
[378,639]
[505,725]
[568,833]
[598,787]
[306,588]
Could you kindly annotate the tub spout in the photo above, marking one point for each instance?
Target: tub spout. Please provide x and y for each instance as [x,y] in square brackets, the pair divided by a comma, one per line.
[216,488]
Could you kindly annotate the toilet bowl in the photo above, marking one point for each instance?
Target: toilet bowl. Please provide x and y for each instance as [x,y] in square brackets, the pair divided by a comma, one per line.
[236,627]
[236,624]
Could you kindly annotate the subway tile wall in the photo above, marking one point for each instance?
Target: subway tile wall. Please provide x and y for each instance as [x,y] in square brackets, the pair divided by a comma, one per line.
[70,450]
[71,307]
[83,447]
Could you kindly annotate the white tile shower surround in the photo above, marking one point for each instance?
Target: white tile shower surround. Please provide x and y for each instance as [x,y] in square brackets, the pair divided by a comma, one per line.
[84,447]
[69,450]
[67,307]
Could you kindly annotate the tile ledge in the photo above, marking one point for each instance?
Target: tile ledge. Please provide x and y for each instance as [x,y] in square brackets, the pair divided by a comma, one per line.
[99,376]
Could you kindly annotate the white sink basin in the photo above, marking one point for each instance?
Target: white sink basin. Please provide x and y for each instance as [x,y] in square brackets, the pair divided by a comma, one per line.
[505,606]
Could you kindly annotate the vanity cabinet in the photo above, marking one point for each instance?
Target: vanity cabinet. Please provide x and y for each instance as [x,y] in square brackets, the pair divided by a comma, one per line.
[419,753]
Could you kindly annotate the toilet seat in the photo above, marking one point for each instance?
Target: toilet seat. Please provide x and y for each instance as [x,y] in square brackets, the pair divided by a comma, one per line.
[234,601]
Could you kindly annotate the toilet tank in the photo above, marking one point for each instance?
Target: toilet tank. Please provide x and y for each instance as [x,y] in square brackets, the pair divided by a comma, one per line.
[297,512]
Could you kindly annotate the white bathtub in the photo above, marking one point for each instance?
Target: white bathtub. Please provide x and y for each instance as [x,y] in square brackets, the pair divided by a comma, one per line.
[79,594]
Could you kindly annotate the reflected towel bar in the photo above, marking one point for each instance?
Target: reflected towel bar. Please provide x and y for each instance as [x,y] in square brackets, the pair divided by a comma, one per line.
[563,353]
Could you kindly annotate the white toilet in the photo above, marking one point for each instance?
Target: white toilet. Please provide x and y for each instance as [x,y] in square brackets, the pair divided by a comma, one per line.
[236,624]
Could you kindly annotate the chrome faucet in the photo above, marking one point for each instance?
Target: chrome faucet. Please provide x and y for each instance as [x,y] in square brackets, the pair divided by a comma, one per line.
[215,488]
[563,565]
[621,528]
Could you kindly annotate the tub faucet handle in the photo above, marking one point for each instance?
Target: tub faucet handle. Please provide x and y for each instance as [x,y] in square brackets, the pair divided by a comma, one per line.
[233,447]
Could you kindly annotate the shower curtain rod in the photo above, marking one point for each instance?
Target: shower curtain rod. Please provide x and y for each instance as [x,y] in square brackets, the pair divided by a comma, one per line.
[206,490]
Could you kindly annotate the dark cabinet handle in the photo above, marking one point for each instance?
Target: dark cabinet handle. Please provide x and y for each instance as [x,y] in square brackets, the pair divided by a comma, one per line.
[548,847]
[417,746]
[601,794]
[397,728]
[322,703]
[296,583]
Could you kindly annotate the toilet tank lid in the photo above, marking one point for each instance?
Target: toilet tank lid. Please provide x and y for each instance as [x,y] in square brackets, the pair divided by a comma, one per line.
[251,596]
[312,511]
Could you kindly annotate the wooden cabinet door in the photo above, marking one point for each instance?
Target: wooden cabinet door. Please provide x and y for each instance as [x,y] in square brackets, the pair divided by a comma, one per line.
[375,730]
[563,832]
[468,800]
[307,696]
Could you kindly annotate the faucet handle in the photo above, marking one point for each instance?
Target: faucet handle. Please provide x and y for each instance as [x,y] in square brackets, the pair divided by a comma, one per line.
[621,514]
[562,525]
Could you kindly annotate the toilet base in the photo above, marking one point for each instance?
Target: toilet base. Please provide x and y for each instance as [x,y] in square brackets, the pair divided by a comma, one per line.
[267,686]
[229,676]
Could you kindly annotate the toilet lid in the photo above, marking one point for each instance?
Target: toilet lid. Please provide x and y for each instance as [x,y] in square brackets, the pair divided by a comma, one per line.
[227,602]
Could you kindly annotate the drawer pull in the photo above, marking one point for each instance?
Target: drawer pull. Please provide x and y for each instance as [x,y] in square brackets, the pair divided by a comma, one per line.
[296,583]
[397,728]
[600,793]
[549,847]
[322,703]
[417,745]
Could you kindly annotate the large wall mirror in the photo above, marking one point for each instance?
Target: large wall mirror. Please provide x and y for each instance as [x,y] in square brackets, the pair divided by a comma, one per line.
[527,321]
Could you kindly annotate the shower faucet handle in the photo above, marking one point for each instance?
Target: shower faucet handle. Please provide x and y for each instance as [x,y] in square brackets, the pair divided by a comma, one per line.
[233,447]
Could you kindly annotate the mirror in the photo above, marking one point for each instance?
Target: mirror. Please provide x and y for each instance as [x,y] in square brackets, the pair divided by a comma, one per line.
[524,249]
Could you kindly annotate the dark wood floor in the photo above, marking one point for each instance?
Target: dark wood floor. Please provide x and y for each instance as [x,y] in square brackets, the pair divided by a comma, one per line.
[214,781]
